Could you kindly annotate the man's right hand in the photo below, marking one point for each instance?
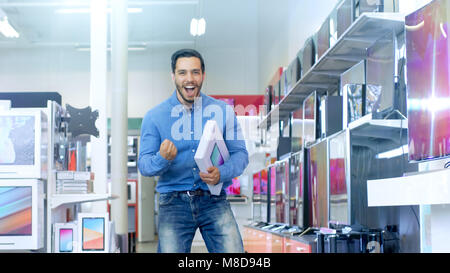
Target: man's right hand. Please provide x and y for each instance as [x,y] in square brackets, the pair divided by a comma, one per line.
[168,150]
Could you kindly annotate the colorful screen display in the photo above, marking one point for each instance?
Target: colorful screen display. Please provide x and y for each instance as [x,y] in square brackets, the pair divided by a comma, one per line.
[15,211]
[235,187]
[216,157]
[280,185]
[317,185]
[17,140]
[256,183]
[263,189]
[309,118]
[428,81]
[338,186]
[93,233]
[66,240]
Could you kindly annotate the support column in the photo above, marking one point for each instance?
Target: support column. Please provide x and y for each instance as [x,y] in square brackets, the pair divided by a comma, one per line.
[98,101]
[119,119]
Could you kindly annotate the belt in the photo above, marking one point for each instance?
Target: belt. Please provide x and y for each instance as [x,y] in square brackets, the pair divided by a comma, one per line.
[196,193]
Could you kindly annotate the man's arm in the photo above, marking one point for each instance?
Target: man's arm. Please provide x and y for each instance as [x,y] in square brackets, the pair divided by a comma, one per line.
[154,157]
[234,139]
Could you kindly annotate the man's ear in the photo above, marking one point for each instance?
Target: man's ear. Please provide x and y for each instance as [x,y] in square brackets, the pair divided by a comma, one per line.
[173,76]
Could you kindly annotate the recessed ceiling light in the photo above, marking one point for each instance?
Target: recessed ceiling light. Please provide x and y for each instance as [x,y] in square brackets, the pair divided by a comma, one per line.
[198,26]
[88,10]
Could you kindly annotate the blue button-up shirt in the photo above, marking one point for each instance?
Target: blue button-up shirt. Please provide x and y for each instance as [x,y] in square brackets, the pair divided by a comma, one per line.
[171,120]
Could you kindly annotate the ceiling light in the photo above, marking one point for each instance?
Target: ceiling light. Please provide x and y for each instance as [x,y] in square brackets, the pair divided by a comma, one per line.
[6,29]
[88,10]
[198,26]
[130,48]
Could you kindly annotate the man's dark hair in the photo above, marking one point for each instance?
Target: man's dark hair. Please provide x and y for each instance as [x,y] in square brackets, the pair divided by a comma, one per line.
[186,53]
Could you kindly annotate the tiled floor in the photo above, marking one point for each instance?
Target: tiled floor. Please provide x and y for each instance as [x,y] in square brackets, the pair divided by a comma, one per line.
[151,247]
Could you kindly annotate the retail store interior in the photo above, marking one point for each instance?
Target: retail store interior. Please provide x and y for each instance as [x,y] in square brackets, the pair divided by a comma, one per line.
[344,106]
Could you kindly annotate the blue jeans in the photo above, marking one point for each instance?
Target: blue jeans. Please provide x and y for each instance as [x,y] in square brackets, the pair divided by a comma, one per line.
[180,215]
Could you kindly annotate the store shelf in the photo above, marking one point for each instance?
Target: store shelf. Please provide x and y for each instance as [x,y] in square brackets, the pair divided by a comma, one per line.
[62,199]
[366,130]
[424,188]
[348,51]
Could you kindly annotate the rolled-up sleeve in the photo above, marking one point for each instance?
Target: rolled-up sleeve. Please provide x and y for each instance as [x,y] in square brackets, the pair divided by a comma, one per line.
[150,161]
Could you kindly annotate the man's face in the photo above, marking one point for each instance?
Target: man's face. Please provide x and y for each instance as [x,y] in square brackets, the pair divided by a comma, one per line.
[188,78]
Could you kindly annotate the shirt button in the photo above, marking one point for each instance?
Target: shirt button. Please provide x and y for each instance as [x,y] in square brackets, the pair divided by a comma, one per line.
[192,132]
[193,151]
[194,169]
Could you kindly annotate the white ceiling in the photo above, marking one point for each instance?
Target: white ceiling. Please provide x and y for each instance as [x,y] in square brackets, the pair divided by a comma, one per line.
[164,22]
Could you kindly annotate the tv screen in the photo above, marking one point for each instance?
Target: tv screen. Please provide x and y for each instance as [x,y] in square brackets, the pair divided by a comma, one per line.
[256,184]
[297,130]
[309,55]
[323,38]
[428,82]
[93,233]
[309,118]
[15,211]
[296,190]
[293,74]
[344,17]
[17,140]
[380,71]
[280,188]
[337,179]
[355,101]
[317,185]
[235,187]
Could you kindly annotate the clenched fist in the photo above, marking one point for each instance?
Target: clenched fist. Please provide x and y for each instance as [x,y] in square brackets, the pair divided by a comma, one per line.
[168,150]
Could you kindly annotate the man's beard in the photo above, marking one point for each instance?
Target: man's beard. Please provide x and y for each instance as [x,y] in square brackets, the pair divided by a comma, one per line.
[182,96]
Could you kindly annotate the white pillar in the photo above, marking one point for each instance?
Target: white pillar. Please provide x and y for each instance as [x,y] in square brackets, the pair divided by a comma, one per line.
[98,101]
[119,115]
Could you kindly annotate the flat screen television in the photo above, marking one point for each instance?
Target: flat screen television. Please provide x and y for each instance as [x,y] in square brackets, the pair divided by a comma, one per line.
[308,55]
[23,143]
[283,85]
[323,38]
[21,214]
[256,198]
[353,90]
[296,190]
[293,74]
[272,190]
[317,185]
[344,16]
[337,177]
[93,230]
[235,187]
[310,118]
[380,71]
[297,130]
[428,83]
[281,186]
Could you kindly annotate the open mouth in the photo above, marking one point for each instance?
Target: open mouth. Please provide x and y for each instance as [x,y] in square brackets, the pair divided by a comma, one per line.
[190,90]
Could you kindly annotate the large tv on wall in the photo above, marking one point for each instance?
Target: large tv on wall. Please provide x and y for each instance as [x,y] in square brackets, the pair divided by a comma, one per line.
[428,81]
[308,55]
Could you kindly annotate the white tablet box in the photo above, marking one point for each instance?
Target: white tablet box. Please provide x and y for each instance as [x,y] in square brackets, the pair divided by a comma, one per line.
[211,151]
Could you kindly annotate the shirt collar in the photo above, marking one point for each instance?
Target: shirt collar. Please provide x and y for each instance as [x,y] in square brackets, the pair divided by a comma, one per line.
[174,99]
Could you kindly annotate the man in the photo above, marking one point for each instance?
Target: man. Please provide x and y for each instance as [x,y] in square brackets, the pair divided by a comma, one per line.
[185,202]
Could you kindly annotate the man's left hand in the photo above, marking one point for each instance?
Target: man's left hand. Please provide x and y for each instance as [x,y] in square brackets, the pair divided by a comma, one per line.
[212,177]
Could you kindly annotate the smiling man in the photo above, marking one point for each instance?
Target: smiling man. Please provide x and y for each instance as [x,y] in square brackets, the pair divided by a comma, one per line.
[185,203]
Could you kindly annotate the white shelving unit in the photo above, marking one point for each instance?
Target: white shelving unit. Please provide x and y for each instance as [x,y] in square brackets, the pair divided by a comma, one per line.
[348,51]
